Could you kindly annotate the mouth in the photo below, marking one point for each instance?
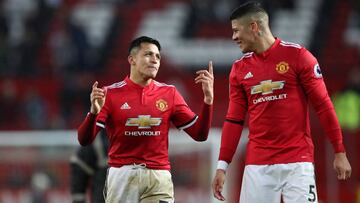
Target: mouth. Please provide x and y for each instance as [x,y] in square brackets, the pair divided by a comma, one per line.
[152,67]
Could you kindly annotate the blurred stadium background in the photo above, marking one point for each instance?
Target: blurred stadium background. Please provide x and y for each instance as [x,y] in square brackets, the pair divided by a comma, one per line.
[51,51]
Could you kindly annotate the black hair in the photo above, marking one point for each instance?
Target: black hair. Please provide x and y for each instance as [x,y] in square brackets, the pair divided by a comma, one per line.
[136,43]
[247,8]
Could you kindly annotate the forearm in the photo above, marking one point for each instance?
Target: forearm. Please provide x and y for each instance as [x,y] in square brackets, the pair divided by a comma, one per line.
[200,130]
[330,124]
[230,138]
[87,130]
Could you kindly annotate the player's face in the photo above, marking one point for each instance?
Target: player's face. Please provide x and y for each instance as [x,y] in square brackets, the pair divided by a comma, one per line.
[146,61]
[243,35]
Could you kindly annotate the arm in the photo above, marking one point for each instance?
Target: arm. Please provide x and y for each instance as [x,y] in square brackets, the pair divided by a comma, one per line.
[199,131]
[231,132]
[87,130]
[230,138]
[314,86]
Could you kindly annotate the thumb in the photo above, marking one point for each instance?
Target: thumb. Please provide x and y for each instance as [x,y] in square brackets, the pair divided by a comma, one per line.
[95,84]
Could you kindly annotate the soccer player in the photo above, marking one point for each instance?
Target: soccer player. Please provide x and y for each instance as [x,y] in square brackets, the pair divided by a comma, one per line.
[88,168]
[273,82]
[136,114]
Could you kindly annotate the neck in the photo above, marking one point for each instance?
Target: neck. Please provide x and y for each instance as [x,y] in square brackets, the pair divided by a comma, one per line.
[265,43]
[140,80]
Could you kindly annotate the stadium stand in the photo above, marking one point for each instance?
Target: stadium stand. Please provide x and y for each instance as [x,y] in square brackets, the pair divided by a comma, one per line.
[52,51]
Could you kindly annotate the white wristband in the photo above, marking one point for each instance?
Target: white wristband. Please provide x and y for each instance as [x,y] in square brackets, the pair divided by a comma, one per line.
[222,165]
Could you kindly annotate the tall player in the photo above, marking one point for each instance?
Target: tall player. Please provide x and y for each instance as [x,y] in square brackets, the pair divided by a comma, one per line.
[274,82]
[136,114]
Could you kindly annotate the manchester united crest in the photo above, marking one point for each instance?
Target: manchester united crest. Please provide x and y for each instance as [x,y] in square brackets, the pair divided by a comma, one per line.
[161,105]
[282,67]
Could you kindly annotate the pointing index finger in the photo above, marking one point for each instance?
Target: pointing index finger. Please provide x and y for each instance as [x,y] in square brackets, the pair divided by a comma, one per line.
[211,71]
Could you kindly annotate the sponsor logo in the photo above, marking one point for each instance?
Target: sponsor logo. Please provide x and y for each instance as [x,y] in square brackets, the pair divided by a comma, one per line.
[125,106]
[317,71]
[143,122]
[248,75]
[267,87]
[269,98]
[142,133]
[282,67]
[161,105]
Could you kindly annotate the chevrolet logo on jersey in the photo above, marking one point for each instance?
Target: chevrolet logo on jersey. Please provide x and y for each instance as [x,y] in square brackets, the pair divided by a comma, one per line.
[267,87]
[143,121]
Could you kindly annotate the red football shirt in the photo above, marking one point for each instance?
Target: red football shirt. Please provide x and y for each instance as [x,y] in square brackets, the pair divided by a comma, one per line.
[137,120]
[274,88]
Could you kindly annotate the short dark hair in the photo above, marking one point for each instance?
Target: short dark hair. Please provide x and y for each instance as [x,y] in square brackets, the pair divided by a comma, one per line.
[136,43]
[247,8]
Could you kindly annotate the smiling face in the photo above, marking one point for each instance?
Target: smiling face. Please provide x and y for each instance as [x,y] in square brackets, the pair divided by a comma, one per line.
[244,34]
[145,63]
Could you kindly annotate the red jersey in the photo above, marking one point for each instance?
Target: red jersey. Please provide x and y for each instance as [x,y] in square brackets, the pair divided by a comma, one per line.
[275,88]
[137,121]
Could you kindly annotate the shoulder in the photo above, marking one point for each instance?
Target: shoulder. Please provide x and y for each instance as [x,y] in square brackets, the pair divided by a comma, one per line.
[165,89]
[290,48]
[163,85]
[245,58]
[290,45]
[299,52]
[115,86]
[239,64]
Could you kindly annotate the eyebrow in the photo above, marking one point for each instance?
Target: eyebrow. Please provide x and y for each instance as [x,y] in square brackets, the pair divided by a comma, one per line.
[151,52]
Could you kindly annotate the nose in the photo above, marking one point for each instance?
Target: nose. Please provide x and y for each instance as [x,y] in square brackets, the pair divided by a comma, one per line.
[234,37]
[154,59]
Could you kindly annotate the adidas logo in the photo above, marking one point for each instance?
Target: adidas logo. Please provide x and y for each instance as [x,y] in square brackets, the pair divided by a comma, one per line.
[248,75]
[125,106]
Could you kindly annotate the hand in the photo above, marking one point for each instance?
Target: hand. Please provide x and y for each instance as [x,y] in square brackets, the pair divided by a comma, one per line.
[218,184]
[206,78]
[97,98]
[342,166]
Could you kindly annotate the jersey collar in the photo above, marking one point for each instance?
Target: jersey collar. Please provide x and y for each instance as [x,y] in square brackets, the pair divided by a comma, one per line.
[269,50]
[137,86]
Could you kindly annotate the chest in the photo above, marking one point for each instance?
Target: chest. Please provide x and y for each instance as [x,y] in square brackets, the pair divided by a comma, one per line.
[143,108]
[269,76]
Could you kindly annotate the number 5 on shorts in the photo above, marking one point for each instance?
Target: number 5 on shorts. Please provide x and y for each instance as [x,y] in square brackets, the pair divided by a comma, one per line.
[312,193]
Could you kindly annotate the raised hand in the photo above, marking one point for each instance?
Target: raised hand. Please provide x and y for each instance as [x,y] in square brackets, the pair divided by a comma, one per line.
[218,184]
[206,78]
[97,98]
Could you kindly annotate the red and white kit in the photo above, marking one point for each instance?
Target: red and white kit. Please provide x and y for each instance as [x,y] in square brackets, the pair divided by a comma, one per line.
[275,88]
[137,121]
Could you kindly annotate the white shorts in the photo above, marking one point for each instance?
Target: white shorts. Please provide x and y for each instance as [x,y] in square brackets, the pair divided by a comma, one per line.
[294,183]
[138,184]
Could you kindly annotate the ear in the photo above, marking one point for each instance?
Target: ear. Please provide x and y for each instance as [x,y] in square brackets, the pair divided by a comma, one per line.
[254,27]
[131,60]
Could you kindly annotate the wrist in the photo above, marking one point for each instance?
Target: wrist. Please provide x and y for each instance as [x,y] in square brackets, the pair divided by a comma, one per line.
[340,154]
[93,112]
[222,165]
[208,100]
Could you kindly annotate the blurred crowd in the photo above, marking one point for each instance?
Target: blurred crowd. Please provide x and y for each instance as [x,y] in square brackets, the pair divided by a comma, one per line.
[51,51]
